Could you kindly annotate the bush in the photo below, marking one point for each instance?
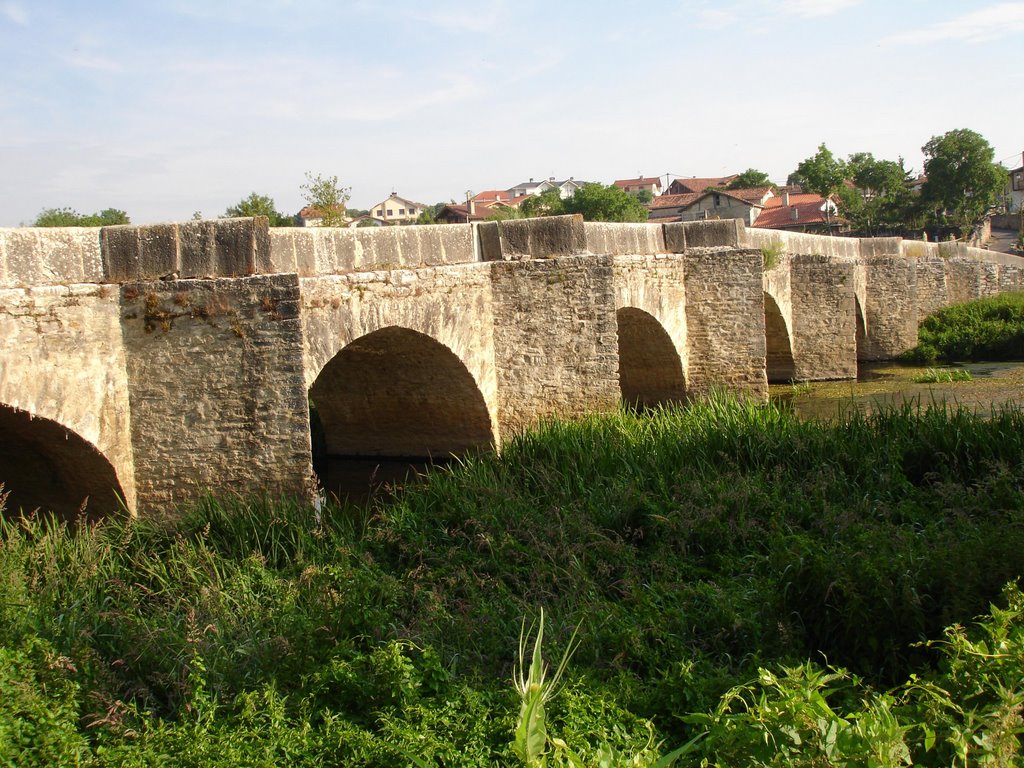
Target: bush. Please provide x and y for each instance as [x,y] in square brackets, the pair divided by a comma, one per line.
[987,329]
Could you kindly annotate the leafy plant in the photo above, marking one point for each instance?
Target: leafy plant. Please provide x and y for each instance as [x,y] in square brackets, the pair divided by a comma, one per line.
[943,376]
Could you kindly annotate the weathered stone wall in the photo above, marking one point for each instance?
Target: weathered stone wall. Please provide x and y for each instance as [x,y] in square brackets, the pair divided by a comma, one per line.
[61,359]
[891,306]
[824,317]
[313,251]
[217,391]
[555,343]
[451,305]
[32,256]
[725,321]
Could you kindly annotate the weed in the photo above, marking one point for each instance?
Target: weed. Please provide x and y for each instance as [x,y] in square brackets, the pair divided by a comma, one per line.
[943,376]
[772,253]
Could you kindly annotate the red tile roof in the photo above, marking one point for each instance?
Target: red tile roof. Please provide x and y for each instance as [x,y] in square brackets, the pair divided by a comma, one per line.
[750,195]
[781,216]
[673,201]
[642,180]
[794,199]
[698,185]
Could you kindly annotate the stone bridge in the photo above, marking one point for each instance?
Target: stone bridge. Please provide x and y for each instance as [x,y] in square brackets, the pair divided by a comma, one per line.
[143,367]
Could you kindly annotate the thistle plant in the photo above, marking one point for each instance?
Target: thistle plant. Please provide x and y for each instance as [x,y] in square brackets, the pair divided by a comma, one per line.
[535,690]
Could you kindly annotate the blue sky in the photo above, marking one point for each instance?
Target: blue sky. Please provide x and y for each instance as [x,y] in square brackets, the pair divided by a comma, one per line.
[166,108]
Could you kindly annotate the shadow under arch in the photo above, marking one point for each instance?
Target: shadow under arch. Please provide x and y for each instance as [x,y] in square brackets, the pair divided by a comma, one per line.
[862,331]
[46,466]
[396,394]
[650,370]
[779,363]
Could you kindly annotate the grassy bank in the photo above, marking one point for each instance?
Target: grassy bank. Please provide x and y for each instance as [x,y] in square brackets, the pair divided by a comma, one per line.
[690,548]
[987,329]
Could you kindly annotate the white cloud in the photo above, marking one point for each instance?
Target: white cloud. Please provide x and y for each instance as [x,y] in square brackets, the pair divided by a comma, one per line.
[813,8]
[15,12]
[716,18]
[94,62]
[980,26]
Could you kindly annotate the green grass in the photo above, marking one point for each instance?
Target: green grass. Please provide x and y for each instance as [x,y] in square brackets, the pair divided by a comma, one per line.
[943,376]
[987,329]
[690,548]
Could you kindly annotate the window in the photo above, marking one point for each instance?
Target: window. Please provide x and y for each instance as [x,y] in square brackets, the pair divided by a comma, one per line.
[380,211]
[401,211]
[412,211]
[718,200]
[1018,181]
[390,212]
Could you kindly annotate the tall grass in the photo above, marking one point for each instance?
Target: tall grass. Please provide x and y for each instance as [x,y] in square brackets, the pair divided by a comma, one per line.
[689,547]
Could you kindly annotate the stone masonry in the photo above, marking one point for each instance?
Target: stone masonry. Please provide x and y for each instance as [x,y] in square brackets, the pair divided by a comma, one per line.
[157,364]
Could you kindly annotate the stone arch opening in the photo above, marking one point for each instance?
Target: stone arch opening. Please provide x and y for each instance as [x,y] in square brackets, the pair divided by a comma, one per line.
[392,399]
[650,370]
[862,332]
[779,363]
[45,466]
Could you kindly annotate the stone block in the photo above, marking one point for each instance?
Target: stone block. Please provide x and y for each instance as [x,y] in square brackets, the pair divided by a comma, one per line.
[348,255]
[121,252]
[455,241]
[235,243]
[714,234]
[872,247]
[282,250]
[675,236]
[543,238]
[158,251]
[490,241]
[196,249]
[624,239]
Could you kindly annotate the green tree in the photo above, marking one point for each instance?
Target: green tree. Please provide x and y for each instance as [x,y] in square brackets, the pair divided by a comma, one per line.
[750,179]
[429,214]
[645,196]
[327,196]
[259,205]
[597,202]
[963,181]
[822,172]
[67,217]
[548,203]
[882,200]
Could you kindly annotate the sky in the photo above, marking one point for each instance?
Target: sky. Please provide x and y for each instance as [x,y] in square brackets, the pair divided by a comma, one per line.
[163,109]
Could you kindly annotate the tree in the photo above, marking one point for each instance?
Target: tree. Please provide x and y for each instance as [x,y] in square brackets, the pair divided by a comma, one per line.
[67,217]
[881,200]
[548,203]
[963,181]
[596,202]
[645,196]
[326,195]
[429,214]
[259,205]
[822,172]
[750,179]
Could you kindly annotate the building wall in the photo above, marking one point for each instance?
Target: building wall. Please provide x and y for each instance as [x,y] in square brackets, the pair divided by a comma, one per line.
[727,208]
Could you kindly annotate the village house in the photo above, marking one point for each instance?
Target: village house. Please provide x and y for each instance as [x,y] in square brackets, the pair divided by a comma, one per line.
[397,210]
[695,185]
[636,187]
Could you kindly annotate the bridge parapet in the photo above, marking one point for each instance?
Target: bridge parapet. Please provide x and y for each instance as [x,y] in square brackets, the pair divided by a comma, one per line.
[32,256]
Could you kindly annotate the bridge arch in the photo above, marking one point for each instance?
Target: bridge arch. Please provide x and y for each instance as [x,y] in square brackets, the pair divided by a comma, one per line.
[396,392]
[46,466]
[779,363]
[650,368]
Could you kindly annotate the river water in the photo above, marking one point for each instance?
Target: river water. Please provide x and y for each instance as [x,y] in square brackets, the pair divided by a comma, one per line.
[882,385]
